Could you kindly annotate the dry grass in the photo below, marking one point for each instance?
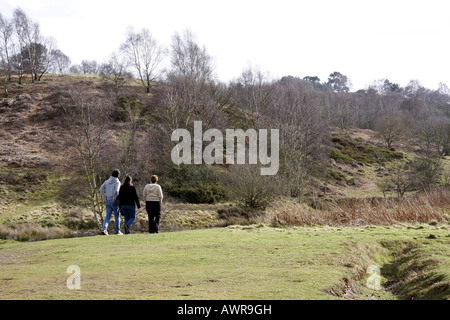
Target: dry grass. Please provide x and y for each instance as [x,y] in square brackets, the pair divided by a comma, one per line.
[33,232]
[423,207]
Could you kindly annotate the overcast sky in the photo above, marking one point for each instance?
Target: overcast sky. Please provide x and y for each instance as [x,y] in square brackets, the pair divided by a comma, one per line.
[365,40]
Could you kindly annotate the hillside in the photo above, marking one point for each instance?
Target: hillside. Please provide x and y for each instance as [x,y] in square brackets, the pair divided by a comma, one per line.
[40,172]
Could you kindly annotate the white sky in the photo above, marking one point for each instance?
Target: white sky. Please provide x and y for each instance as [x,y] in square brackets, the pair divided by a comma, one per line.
[365,40]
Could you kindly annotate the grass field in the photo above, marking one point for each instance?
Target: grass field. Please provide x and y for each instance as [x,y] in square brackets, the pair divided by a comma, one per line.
[236,262]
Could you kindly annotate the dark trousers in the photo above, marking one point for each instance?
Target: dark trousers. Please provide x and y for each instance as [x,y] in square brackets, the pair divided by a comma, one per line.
[154,215]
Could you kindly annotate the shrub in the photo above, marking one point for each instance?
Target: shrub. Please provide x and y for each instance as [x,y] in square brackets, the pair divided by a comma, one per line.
[239,214]
[124,106]
[336,175]
[194,184]
[231,211]
[338,156]
[346,150]
[427,171]
[203,193]
[253,190]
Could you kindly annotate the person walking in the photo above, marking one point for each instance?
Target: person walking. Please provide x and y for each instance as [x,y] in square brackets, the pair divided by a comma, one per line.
[128,200]
[110,191]
[153,196]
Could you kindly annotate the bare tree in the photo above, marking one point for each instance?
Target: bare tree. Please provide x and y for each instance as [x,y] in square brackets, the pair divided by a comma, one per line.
[45,57]
[89,67]
[344,109]
[253,91]
[61,62]
[385,185]
[427,171]
[75,69]
[115,71]
[384,87]
[191,90]
[445,180]
[173,112]
[399,178]
[433,135]
[190,60]
[132,108]
[390,128]
[6,50]
[303,134]
[442,137]
[17,60]
[414,102]
[144,54]
[29,36]
[253,190]
[87,115]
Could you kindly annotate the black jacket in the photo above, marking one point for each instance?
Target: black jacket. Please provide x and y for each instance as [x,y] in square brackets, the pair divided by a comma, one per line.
[128,196]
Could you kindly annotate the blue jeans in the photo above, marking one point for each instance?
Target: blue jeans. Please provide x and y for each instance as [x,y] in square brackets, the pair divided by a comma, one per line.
[111,206]
[129,214]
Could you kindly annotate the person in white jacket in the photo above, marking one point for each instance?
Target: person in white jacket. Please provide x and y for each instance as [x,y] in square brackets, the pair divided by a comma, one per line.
[153,196]
[110,191]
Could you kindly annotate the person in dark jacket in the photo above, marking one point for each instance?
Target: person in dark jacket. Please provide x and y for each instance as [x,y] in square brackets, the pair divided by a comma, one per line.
[128,200]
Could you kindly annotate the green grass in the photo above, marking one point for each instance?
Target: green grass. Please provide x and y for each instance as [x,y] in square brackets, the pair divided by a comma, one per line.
[338,156]
[422,271]
[26,191]
[346,150]
[336,175]
[252,262]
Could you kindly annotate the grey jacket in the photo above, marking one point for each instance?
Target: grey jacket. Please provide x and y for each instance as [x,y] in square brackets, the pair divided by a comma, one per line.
[110,188]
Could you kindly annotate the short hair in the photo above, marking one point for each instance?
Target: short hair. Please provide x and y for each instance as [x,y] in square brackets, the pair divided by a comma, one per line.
[154,179]
[116,173]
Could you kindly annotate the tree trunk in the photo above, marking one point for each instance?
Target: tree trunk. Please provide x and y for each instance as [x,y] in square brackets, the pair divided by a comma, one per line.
[6,87]
[97,209]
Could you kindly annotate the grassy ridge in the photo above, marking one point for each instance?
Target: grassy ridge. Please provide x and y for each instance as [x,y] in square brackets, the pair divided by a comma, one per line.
[253,262]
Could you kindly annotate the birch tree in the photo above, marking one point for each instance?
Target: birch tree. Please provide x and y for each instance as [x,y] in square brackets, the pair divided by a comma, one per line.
[87,116]
[61,62]
[6,50]
[28,36]
[144,54]
[115,71]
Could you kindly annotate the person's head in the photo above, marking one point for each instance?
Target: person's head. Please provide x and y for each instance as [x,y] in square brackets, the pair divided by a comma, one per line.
[154,179]
[115,173]
[128,181]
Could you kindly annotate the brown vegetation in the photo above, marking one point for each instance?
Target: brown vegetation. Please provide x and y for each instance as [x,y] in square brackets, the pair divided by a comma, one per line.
[423,207]
[33,232]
